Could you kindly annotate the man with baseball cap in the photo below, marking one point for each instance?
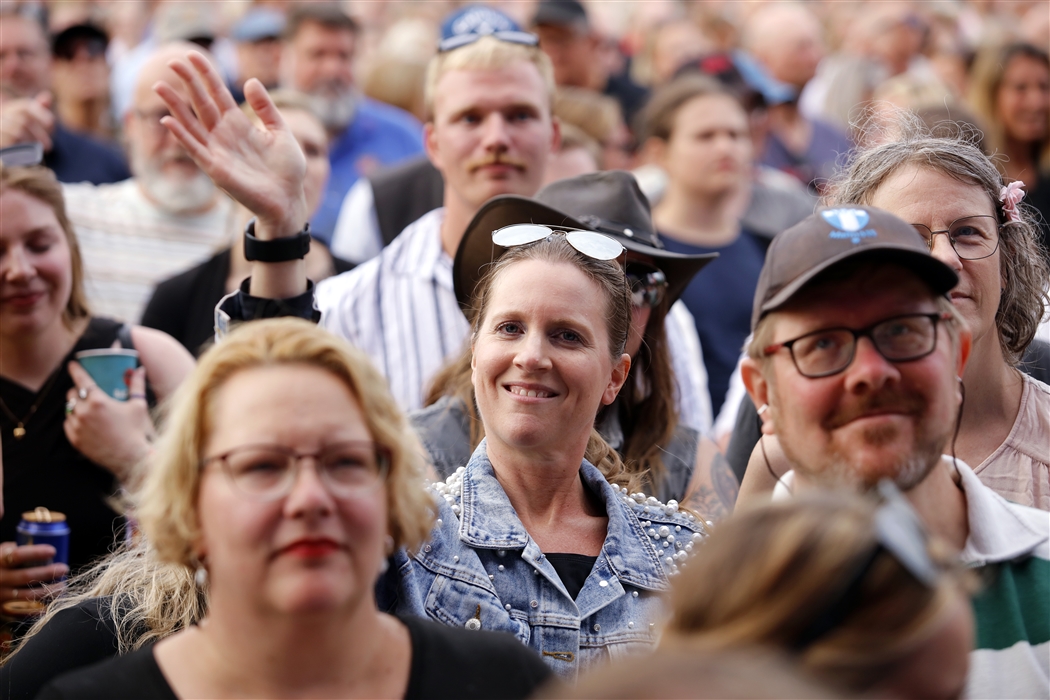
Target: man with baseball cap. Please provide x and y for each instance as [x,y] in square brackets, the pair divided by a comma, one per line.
[855,365]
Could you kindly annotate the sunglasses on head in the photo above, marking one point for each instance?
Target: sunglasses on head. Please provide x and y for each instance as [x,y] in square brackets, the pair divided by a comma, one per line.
[22,155]
[899,533]
[594,245]
[511,37]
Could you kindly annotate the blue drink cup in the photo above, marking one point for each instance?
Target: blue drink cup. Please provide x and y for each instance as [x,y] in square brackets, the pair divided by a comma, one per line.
[107,367]
[43,526]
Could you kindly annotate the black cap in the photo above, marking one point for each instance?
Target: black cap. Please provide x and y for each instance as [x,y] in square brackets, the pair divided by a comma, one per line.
[609,202]
[561,13]
[833,236]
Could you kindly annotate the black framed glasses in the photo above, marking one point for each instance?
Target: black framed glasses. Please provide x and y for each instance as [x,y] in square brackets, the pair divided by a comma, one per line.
[510,36]
[22,155]
[899,533]
[268,472]
[648,285]
[592,244]
[829,351]
[972,237]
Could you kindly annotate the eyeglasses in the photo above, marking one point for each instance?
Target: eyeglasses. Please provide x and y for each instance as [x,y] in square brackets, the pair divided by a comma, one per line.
[511,37]
[151,121]
[899,533]
[593,245]
[268,472]
[972,237]
[648,285]
[22,155]
[93,47]
[826,352]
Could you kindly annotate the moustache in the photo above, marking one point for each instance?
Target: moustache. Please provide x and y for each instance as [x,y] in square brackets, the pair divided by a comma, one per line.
[884,402]
[495,159]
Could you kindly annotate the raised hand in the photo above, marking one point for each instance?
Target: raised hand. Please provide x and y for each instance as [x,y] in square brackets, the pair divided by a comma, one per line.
[262,168]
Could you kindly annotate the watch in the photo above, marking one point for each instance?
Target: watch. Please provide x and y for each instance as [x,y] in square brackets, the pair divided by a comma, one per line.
[278,250]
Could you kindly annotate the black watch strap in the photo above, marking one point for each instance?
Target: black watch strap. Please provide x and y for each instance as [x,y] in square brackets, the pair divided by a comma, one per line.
[278,250]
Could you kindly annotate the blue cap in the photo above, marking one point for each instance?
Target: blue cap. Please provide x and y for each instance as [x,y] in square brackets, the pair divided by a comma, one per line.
[477,19]
[774,91]
[258,24]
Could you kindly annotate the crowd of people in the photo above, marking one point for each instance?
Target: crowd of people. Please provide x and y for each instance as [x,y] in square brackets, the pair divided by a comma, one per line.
[546,348]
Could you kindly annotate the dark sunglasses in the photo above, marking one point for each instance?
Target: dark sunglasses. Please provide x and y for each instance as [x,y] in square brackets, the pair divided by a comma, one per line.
[93,46]
[648,285]
[511,37]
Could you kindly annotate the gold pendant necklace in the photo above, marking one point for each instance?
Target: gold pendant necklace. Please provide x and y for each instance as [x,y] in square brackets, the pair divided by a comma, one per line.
[20,423]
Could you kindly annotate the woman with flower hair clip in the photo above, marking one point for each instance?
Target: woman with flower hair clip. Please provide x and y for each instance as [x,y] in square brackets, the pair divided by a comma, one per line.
[977,224]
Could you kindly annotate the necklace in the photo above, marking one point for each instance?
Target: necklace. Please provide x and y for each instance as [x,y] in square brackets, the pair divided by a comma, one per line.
[20,427]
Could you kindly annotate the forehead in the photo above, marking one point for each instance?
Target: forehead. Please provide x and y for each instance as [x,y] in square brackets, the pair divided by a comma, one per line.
[926,196]
[710,112]
[304,126]
[21,212]
[314,34]
[154,70]
[517,83]
[854,298]
[556,289]
[20,32]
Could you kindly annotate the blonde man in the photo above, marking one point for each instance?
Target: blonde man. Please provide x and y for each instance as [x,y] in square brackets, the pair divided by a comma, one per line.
[490,132]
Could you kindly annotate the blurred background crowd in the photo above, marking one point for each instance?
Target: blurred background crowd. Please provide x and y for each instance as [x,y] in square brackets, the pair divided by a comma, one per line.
[811,80]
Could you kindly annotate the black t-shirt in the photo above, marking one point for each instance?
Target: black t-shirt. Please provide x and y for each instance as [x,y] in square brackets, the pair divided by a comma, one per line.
[447,662]
[44,469]
[184,305]
[572,569]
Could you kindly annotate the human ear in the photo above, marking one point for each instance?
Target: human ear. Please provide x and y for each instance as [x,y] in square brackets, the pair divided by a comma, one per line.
[430,144]
[619,376]
[758,389]
[555,134]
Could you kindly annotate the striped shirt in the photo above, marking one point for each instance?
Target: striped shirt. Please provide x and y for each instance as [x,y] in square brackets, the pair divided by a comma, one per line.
[128,245]
[400,308]
[1009,545]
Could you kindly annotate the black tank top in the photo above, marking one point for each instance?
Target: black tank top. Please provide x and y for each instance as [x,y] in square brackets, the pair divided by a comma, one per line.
[44,469]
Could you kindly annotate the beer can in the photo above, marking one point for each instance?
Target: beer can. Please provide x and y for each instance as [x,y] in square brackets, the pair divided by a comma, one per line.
[43,526]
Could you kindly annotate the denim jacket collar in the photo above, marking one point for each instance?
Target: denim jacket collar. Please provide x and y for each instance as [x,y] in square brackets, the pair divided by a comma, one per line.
[488,521]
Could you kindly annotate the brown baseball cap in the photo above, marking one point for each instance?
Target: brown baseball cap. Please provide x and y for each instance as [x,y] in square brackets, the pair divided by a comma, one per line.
[832,236]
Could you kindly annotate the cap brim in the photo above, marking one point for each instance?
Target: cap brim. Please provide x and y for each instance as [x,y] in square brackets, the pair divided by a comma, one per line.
[936,274]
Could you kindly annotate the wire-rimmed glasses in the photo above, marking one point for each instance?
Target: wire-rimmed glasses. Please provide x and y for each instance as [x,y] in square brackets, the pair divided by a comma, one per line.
[972,237]
[268,472]
[829,351]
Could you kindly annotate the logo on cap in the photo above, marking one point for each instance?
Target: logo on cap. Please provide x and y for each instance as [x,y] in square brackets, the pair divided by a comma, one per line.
[482,20]
[850,224]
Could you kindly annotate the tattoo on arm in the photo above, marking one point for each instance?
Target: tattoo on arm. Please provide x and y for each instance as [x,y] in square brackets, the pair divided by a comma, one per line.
[714,497]
[726,485]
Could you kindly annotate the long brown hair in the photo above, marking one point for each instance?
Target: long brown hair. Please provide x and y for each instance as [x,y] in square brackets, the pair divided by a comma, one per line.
[40,183]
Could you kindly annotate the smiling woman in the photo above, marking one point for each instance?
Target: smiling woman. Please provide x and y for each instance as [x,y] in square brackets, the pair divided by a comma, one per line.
[558,549]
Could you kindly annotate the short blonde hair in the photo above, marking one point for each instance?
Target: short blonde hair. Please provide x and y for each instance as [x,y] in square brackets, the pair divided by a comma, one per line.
[487,53]
[167,500]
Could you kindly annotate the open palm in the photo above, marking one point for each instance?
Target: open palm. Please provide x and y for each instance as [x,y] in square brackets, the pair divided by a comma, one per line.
[262,168]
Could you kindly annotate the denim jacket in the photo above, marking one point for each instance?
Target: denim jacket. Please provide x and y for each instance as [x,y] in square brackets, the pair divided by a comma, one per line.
[481,570]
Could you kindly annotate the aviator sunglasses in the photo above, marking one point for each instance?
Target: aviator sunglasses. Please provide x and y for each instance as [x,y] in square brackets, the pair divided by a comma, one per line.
[593,245]
[648,285]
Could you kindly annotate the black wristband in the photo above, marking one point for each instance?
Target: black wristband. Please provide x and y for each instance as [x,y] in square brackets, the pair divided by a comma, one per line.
[278,250]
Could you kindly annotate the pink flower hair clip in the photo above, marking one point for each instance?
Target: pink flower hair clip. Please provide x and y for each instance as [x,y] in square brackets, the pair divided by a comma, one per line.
[1011,195]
